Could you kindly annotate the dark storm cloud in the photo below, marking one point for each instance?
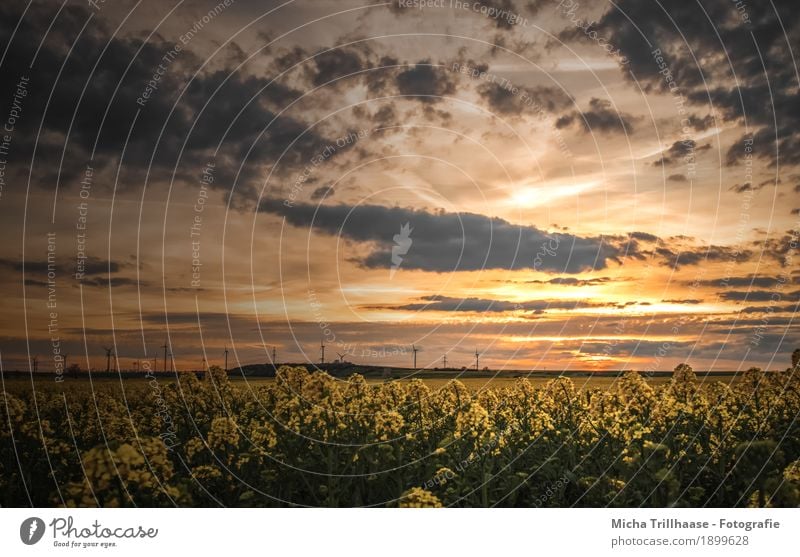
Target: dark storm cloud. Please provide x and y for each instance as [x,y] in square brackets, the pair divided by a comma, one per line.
[677,178]
[66,94]
[95,99]
[425,82]
[600,117]
[444,242]
[738,63]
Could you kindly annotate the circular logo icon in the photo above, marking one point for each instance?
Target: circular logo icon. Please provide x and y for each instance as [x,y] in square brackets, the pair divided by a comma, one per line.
[31,530]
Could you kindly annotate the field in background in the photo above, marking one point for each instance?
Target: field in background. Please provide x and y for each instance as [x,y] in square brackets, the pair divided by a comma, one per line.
[432,379]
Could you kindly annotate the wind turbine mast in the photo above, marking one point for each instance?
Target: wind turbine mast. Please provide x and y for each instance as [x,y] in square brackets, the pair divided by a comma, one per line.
[414,350]
[322,351]
[477,359]
[165,354]
[109,352]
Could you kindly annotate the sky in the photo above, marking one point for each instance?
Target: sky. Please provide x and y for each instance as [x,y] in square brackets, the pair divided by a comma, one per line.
[559,185]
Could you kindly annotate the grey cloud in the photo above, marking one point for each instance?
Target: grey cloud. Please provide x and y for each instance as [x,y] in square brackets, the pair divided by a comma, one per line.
[757,295]
[526,100]
[644,236]
[680,257]
[443,242]
[700,124]
[483,305]
[39,267]
[780,249]
[322,192]
[97,97]
[747,56]
[486,305]
[572,281]
[334,64]
[741,188]
[746,281]
[684,150]
[600,117]
[113,282]
[425,82]
[770,309]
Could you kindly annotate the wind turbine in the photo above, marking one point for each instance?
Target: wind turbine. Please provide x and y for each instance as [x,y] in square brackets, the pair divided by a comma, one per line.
[341,357]
[322,350]
[165,346]
[414,349]
[109,353]
[477,356]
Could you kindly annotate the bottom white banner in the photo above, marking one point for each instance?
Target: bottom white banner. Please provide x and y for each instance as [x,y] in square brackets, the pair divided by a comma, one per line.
[390,532]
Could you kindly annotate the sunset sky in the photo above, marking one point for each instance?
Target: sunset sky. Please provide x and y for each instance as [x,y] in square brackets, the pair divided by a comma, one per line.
[613,196]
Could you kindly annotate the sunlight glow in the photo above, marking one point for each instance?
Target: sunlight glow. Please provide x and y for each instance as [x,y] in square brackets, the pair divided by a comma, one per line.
[535,196]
